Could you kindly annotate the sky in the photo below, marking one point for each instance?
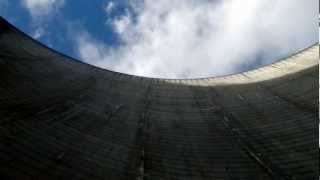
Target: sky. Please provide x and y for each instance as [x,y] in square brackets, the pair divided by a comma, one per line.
[169,38]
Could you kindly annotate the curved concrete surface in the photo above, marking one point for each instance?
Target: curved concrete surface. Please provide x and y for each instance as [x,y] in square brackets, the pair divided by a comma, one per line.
[62,119]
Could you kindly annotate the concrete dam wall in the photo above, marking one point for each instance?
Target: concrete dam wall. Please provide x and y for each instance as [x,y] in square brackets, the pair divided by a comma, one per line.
[63,119]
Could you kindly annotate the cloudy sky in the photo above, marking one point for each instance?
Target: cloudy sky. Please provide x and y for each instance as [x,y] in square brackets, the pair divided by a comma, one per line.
[169,38]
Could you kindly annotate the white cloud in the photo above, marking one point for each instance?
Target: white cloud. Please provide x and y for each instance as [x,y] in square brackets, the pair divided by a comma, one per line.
[109,7]
[121,24]
[189,38]
[38,33]
[41,12]
[42,7]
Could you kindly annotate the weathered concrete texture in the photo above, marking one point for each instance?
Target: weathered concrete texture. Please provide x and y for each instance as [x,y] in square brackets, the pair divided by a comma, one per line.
[62,119]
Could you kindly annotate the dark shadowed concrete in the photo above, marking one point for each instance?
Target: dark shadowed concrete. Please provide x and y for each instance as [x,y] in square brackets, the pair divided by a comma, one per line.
[62,119]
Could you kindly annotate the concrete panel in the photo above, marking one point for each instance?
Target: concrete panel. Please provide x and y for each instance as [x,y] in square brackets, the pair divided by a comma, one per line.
[63,119]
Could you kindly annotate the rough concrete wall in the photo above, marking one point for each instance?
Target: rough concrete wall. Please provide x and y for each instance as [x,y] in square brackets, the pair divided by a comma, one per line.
[60,118]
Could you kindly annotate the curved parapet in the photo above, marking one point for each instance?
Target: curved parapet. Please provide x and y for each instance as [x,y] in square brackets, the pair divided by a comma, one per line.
[61,118]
